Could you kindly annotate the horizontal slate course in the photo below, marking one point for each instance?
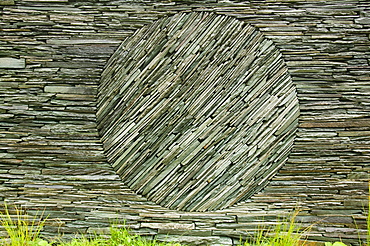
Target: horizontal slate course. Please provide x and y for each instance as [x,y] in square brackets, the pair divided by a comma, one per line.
[51,156]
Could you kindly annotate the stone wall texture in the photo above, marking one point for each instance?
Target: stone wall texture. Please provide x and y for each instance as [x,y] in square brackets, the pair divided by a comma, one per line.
[52,55]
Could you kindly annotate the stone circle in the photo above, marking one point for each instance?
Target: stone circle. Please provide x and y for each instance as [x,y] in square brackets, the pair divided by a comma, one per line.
[197,111]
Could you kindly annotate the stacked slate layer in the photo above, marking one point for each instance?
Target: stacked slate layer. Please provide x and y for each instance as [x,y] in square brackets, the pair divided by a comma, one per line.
[52,55]
[195,117]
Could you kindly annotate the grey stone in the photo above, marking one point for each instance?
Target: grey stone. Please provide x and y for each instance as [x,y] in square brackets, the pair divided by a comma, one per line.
[13,63]
[194,240]
[164,226]
[82,41]
[363,20]
[70,90]
[6,2]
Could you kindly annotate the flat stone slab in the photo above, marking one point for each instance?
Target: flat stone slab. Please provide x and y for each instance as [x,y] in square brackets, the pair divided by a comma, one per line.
[6,62]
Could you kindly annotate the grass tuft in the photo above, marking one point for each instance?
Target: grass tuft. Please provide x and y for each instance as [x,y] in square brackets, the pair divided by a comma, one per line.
[118,237]
[22,229]
[285,233]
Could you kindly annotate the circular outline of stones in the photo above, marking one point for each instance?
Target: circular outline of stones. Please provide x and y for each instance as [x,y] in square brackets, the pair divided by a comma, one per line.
[197,111]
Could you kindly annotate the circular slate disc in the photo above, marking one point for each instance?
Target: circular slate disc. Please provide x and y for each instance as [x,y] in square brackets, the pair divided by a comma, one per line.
[197,111]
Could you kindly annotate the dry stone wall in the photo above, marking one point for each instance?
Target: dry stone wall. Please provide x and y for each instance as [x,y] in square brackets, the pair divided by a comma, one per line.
[52,55]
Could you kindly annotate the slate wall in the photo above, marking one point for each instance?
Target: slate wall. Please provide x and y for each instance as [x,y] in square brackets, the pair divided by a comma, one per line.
[52,53]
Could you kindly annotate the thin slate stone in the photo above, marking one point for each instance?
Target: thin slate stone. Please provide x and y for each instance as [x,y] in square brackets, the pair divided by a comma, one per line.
[13,63]
[166,77]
